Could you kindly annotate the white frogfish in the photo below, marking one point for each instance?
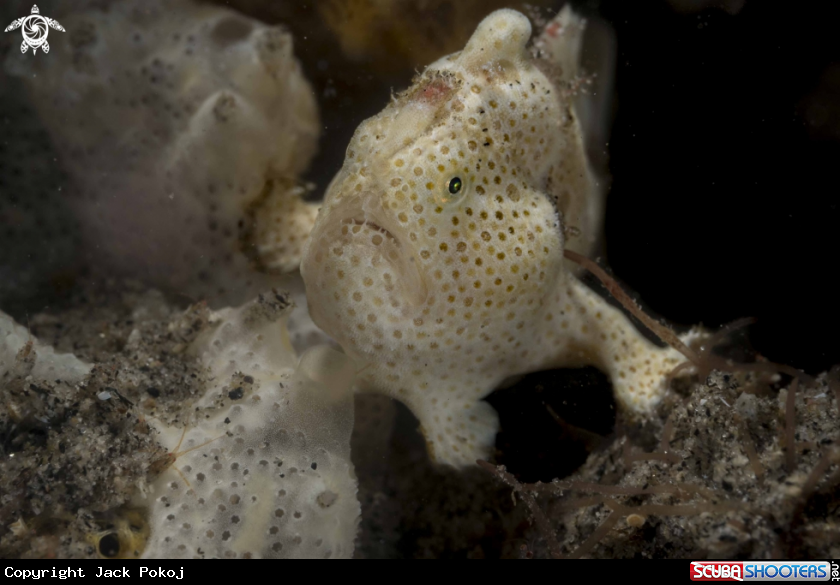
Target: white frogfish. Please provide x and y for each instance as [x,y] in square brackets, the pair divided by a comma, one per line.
[437,258]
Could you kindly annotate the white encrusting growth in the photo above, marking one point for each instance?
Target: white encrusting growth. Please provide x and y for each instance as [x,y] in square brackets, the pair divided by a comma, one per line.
[263,470]
[184,128]
[23,355]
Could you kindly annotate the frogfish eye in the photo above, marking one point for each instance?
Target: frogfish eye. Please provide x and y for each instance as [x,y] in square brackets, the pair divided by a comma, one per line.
[455,185]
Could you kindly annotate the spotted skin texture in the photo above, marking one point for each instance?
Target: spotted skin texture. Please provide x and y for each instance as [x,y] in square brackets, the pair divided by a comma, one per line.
[440,296]
[282,221]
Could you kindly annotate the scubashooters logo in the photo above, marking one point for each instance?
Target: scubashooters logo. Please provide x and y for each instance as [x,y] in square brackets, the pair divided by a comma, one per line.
[35,29]
[763,571]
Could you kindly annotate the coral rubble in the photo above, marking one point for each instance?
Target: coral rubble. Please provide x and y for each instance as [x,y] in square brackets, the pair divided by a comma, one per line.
[735,469]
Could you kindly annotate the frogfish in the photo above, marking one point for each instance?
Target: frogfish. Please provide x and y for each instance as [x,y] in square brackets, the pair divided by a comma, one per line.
[437,259]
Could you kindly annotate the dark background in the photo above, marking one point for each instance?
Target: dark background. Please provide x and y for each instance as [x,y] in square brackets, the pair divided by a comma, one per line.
[724,201]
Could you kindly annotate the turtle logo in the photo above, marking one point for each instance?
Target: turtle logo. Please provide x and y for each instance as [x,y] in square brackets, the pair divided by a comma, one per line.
[35,30]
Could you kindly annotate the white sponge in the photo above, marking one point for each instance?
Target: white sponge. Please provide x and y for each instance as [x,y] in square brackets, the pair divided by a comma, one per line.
[184,128]
[45,363]
[268,471]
